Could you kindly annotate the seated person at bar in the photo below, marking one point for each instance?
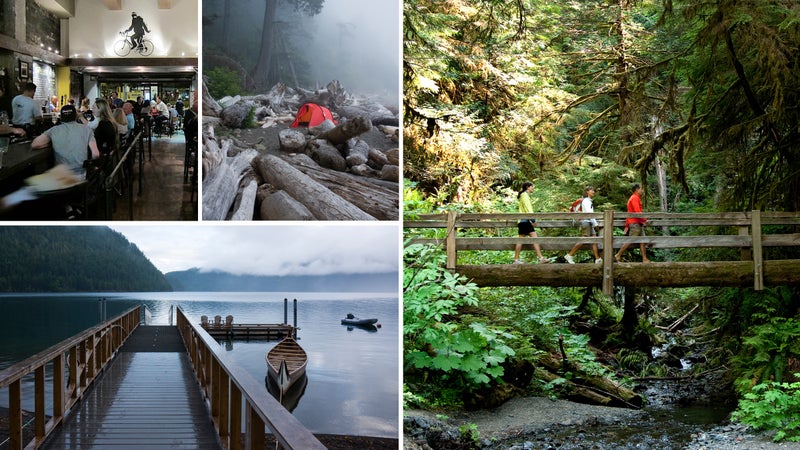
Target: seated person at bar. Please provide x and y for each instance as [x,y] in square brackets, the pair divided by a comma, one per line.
[121,122]
[5,129]
[163,112]
[128,109]
[53,105]
[73,142]
[104,126]
[24,109]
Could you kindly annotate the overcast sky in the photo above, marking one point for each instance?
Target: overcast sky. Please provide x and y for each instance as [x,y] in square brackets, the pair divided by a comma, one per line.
[319,248]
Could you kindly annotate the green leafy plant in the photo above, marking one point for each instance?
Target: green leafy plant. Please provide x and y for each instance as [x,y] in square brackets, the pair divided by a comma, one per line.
[250,120]
[223,82]
[434,339]
[766,349]
[773,406]
[469,432]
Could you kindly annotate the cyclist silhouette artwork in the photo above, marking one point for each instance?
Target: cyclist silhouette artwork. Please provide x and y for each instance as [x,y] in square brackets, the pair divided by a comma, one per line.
[135,42]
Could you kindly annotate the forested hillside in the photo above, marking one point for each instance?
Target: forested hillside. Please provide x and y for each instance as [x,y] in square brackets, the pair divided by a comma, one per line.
[73,259]
[215,281]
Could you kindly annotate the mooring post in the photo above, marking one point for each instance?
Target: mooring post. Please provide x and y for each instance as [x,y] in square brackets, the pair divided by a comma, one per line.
[285,310]
[295,318]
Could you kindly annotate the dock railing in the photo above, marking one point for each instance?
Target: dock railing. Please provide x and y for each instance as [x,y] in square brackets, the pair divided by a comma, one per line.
[751,233]
[76,362]
[227,387]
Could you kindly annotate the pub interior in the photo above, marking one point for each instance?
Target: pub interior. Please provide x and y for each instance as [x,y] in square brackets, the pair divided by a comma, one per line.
[97,109]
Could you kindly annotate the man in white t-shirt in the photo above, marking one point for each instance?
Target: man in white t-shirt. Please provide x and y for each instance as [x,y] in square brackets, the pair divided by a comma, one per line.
[24,109]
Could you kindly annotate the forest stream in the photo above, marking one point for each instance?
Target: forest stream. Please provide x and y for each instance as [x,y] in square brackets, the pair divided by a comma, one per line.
[682,413]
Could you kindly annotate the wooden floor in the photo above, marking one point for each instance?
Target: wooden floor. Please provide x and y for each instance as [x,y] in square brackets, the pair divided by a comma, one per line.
[147,399]
[164,196]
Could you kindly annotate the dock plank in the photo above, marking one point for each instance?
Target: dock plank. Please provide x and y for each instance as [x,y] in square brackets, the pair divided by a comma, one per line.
[146,399]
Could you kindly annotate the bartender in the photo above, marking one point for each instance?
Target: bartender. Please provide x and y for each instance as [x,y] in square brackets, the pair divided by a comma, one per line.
[24,109]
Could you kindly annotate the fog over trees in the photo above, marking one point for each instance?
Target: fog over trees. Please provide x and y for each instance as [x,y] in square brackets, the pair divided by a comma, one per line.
[306,43]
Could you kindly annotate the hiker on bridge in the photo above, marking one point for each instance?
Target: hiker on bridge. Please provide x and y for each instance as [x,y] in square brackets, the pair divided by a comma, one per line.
[525,226]
[634,225]
[588,227]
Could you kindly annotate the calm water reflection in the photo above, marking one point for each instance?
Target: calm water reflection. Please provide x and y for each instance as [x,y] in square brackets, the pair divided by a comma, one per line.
[353,374]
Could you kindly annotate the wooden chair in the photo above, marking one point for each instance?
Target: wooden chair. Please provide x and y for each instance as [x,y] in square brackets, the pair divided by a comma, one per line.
[204,321]
[228,321]
[217,321]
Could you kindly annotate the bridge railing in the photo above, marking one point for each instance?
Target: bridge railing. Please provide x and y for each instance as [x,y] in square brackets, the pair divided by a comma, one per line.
[227,387]
[748,232]
[75,363]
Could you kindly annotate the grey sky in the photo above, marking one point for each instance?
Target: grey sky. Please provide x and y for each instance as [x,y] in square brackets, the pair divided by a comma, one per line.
[319,248]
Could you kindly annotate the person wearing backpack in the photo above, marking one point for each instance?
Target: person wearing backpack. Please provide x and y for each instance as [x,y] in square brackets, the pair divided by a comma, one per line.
[635,225]
[588,226]
[525,226]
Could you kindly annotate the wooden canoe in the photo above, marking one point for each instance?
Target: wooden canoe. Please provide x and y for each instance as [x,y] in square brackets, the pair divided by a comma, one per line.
[286,363]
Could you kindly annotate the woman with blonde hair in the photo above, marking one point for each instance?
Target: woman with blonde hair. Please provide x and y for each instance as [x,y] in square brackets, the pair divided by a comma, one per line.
[105,131]
[121,122]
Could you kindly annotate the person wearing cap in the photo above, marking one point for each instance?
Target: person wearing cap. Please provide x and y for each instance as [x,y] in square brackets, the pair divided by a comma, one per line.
[139,28]
[73,142]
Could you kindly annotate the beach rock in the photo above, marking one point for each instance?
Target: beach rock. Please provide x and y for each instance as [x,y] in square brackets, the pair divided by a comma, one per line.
[326,155]
[292,140]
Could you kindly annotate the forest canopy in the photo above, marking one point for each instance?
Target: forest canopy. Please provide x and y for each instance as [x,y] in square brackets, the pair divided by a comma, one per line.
[74,259]
[697,98]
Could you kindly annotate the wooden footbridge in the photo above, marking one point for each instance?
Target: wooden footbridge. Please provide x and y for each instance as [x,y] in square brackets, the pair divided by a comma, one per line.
[126,385]
[754,249]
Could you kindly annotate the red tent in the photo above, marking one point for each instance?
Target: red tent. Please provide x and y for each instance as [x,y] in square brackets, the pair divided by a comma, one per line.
[311,115]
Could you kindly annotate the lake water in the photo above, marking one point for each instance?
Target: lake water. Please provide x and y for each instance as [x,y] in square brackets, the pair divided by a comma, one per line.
[353,374]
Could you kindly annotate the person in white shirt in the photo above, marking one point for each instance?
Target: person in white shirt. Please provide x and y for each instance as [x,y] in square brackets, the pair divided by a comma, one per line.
[24,109]
[588,227]
[163,112]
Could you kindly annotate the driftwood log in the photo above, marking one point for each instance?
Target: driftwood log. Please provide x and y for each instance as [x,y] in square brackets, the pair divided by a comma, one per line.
[222,175]
[346,130]
[592,387]
[323,203]
[278,205]
[245,205]
[378,198]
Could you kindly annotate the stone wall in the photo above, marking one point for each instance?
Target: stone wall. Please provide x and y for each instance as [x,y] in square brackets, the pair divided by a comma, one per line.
[43,28]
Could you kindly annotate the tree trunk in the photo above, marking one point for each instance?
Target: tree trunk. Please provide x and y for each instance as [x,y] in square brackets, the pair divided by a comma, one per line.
[226,26]
[262,70]
[629,319]
[661,174]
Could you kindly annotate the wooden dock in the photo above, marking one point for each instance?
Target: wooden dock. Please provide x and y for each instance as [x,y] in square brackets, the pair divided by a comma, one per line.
[148,398]
[250,332]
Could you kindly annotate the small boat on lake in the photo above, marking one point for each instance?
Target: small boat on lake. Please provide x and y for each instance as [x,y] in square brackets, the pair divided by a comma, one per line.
[291,398]
[286,363]
[353,320]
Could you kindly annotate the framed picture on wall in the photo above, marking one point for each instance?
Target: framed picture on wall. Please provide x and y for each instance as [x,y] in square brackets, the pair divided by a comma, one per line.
[24,70]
